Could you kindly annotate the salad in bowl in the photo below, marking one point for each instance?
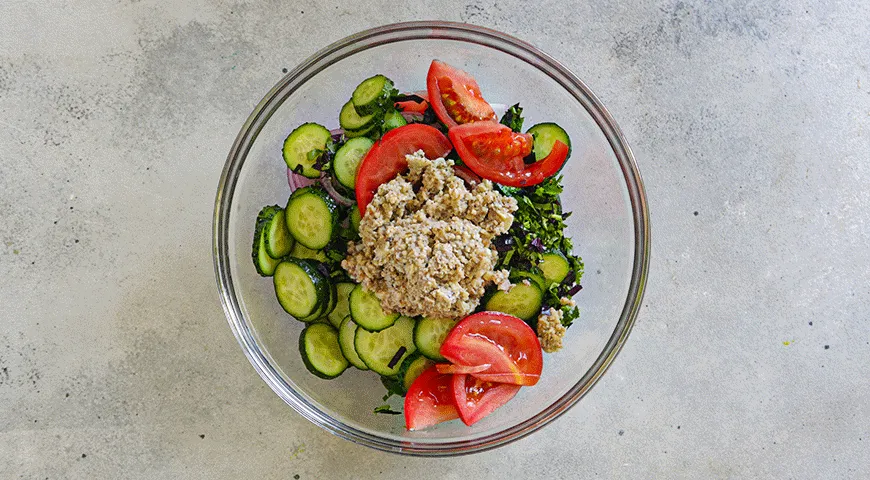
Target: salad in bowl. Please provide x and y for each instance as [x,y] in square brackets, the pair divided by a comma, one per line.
[422,238]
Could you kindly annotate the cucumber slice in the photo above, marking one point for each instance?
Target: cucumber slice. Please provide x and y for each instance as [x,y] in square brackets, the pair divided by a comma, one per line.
[302,252]
[347,159]
[300,288]
[346,335]
[264,263]
[326,306]
[545,135]
[355,218]
[554,266]
[394,119]
[371,131]
[349,119]
[517,276]
[429,334]
[312,217]
[342,306]
[372,94]
[522,301]
[366,311]
[306,137]
[412,367]
[279,242]
[384,351]
[321,352]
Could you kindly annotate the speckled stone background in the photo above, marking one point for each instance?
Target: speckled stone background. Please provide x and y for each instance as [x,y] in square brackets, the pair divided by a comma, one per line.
[751,125]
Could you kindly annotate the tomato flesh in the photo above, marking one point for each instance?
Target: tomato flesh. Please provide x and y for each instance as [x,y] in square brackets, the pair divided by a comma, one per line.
[386,159]
[461,369]
[412,106]
[430,400]
[495,152]
[455,96]
[476,398]
[507,344]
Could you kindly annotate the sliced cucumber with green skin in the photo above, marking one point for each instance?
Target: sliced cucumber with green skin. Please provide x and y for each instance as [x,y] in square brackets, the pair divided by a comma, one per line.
[312,217]
[264,263]
[366,311]
[306,137]
[300,288]
[429,334]
[302,252]
[279,242]
[346,336]
[372,131]
[355,218]
[347,159]
[545,135]
[523,301]
[412,367]
[371,95]
[554,266]
[342,306]
[326,307]
[394,119]
[350,120]
[384,351]
[517,276]
[321,352]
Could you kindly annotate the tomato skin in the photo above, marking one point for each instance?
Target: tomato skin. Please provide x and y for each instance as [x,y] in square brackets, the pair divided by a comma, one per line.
[475,398]
[506,343]
[430,400]
[461,90]
[507,170]
[386,159]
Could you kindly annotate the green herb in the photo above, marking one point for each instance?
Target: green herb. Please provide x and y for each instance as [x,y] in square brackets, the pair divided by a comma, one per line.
[539,227]
[393,386]
[513,118]
[387,410]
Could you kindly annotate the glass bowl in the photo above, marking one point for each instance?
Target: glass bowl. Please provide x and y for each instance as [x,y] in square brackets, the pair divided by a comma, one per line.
[610,228]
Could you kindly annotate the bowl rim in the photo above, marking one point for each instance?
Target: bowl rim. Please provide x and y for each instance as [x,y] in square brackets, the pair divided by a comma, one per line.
[398,32]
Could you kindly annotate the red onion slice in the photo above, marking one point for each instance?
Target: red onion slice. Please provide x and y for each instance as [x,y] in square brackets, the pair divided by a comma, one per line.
[296,181]
[326,182]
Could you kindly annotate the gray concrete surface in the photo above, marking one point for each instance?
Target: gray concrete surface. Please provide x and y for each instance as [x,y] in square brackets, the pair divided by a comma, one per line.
[751,124]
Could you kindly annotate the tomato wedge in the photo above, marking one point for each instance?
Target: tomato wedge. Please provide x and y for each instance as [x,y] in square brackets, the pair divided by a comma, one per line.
[494,152]
[455,96]
[430,400]
[506,343]
[461,369]
[412,106]
[386,159]
[475,398]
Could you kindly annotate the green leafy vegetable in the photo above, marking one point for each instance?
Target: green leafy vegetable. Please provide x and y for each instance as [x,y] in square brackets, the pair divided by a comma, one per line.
[539,226]
[513,118]
[387,410]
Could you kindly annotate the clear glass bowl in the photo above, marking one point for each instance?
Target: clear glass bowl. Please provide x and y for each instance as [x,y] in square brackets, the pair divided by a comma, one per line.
[610,228]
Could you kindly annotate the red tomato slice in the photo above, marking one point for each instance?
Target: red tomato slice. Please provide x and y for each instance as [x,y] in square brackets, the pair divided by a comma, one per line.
[506,343]
[476,398]
[455,96]
[429,400]
[461,369]
[386,159]
[496,153]
[412,106]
